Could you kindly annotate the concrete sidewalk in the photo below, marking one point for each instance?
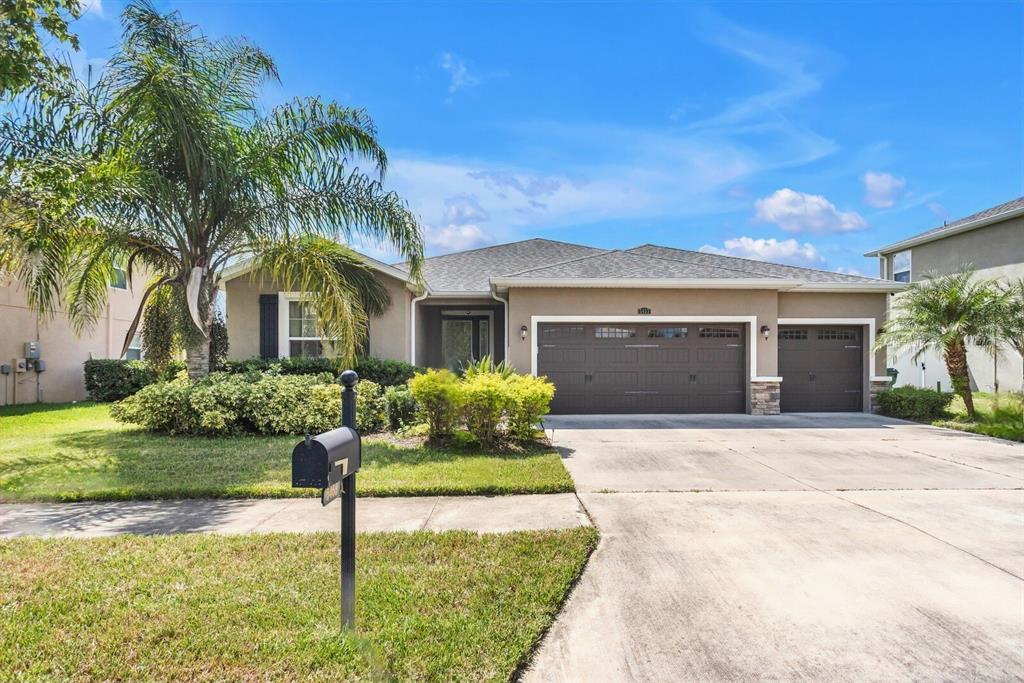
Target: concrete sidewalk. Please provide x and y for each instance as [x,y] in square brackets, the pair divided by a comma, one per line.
[471,513]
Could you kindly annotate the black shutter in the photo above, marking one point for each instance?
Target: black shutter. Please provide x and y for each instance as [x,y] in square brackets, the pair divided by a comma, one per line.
[268,325]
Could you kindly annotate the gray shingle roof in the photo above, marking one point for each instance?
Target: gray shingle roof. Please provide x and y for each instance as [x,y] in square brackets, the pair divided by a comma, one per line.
[540,259]
[983,217]
[748,267]
[471,271]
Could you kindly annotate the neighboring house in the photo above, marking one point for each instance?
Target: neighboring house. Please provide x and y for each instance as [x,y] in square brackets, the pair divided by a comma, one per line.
[645,330]
[991,242]
[60,349]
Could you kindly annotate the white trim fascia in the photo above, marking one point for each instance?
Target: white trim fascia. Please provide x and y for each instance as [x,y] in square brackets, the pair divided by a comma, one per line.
[245,266]
[867,322]
[750,320]
[648,283]
[940,234]
[713,283]
[460,295]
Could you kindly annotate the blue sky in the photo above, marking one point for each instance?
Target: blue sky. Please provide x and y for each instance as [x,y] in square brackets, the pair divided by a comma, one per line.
[794,132]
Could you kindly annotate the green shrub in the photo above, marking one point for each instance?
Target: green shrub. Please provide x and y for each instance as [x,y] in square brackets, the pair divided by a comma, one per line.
[111,379]
[400,406]
[911,403]
[486,397]
[530,400]
[223,403]
[379,371]
[439,397]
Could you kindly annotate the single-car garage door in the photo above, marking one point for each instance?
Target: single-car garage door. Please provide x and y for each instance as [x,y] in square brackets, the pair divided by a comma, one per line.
[642,368]
[821,368]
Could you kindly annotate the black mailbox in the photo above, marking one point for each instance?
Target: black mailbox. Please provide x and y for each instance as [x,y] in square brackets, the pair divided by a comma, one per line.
[325,459]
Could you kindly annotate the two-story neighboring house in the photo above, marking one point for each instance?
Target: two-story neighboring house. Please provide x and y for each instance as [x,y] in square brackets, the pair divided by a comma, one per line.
[990,241]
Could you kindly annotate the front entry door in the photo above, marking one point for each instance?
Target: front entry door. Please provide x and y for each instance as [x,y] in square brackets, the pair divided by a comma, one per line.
[464,339]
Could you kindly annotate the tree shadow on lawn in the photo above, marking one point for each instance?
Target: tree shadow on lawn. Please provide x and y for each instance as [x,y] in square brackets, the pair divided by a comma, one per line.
[133,464]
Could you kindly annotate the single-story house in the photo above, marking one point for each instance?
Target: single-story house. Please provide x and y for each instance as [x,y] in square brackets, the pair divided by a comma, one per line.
[644,330]
[992,243]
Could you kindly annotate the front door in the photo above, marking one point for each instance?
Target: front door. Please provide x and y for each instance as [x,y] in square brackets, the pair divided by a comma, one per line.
[464,339]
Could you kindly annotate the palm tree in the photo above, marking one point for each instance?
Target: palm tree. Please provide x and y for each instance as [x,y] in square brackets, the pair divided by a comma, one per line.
[167,162]
[1011,322]
[945,314]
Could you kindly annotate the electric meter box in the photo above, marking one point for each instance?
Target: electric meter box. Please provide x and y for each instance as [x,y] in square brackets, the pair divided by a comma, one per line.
[32,350]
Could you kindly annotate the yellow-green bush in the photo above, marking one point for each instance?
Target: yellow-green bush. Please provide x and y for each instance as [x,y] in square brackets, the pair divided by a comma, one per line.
[529,400]
[487,397]
[439,395]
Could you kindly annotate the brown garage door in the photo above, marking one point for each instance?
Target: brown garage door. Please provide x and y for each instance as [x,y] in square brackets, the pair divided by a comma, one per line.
[633,368]
[821,368]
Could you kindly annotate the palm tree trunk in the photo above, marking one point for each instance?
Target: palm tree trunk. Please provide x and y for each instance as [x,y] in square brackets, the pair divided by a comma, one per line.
[197,358]
[956,364]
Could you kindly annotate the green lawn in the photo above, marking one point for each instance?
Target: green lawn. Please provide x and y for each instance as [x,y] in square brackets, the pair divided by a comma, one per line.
[452,606]
[78,452]
[998,415]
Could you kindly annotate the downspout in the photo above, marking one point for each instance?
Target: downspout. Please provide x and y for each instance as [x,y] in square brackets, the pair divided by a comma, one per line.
[508,347]
[412,331]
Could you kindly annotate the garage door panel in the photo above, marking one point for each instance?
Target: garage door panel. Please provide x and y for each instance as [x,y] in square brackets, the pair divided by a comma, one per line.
[644,368]
[821,368]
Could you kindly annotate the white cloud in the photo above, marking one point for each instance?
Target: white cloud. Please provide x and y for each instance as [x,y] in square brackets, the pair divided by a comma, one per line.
[93,7]
[454,238]
[458,73]
[881,190]
[800,212]
[938,210]
[788,251]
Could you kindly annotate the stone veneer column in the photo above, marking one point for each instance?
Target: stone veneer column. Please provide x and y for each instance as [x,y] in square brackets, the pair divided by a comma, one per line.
[877,387]
[764,397]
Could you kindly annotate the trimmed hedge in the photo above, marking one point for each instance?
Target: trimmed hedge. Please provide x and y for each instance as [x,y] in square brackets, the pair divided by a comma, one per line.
[112,379]
[387,373]
[911,403]
[222,403]
[494,404]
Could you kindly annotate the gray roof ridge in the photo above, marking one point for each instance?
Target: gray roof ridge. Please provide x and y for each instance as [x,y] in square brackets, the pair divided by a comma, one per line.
[750,260]
[497,246]
[736,270]
[561,263]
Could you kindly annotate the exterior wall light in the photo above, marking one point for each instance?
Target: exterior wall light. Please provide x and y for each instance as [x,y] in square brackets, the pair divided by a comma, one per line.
[766,331]
[523,330]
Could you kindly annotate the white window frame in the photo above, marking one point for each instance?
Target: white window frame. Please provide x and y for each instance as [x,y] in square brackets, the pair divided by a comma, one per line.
[283,338]
[125,274]
[909,268]
[135,345]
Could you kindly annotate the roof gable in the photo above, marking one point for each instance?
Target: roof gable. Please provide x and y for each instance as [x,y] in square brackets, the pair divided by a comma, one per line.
[995,214]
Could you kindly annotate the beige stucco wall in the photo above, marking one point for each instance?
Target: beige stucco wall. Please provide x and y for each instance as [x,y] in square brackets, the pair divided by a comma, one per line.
[996,252]
[527,302]
[61,349]
[389,333]
[990,247]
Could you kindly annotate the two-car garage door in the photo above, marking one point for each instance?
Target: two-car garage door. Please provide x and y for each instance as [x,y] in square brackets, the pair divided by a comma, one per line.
[644,368]
[610,368]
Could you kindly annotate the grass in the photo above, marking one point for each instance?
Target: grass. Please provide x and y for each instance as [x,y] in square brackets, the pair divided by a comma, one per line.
[78,452]
[452,606]
[998,415]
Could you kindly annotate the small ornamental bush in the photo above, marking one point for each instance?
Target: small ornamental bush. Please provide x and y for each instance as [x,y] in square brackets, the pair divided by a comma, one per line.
[487,396]
[439,396]
[400,407]
[530,400]
[223,403]
[911,403]
[111,379]
[379,371]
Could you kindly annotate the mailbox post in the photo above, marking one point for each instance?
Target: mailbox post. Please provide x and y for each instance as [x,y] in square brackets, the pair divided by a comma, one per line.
[329,462]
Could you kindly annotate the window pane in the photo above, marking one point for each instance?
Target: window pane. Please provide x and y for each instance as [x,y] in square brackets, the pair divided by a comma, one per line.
[456,343]
[133,354]
[718,332]
[119,279]
[902,276]
[305,348]
[614,332]
[295,327]
[901,266]
[484,348]
[666,332]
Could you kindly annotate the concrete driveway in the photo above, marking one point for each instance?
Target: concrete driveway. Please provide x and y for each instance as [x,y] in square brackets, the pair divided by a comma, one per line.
[823,547]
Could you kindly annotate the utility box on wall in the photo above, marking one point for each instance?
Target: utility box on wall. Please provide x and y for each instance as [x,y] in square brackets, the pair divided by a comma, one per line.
[32,349]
